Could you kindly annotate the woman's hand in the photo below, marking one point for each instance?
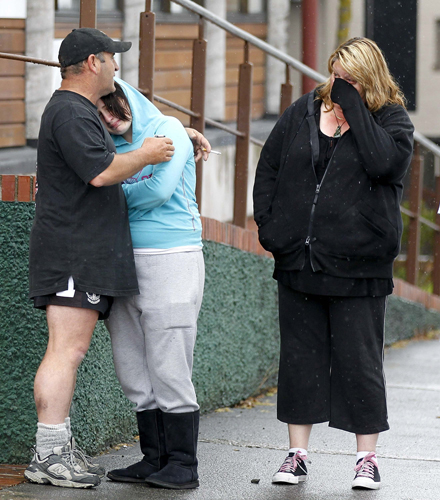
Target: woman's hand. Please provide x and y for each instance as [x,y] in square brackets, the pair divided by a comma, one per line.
[202,148]
[344,94]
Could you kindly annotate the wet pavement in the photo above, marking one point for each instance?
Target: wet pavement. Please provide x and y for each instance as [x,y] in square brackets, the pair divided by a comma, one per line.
[240,449]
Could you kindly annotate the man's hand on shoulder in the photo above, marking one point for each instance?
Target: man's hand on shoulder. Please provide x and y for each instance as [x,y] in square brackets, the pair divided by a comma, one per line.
[157,150]
[154,150]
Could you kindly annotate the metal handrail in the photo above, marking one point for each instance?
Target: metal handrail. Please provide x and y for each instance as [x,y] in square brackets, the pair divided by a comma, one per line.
[17,57]
[162,100]
[427,143]
[281,56]
[244,35]
[209,121]
[422,219]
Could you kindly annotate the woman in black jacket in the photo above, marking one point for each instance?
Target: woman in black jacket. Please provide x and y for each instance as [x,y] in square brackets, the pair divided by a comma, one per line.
[326,201]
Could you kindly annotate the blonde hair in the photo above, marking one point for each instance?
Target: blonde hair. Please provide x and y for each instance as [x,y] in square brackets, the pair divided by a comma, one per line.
[365,62]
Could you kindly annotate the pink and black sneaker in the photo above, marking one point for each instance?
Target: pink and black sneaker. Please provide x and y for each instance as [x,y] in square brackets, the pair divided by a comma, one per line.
[293,470]
[367,473]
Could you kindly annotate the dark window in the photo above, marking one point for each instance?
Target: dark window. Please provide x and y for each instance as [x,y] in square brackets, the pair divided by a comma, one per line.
[393,26]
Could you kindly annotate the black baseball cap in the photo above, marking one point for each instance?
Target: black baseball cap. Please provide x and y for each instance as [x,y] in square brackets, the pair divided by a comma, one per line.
[82,42]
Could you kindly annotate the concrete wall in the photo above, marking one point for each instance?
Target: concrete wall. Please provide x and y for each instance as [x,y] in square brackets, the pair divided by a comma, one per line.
[215,96]
[130,59]
[218,183]
[39,44]
[236,352]
[278,13]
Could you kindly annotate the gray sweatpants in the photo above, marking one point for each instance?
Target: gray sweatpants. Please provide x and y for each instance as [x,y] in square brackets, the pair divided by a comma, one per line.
[153,334]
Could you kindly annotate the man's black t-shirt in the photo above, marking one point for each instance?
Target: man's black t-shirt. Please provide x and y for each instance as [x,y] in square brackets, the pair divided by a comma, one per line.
[79,230]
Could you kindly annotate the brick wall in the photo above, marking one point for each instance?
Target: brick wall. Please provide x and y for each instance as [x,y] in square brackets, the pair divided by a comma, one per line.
[17,187]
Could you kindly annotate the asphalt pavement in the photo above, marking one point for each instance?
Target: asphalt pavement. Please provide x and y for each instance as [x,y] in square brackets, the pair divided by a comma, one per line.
[240,448]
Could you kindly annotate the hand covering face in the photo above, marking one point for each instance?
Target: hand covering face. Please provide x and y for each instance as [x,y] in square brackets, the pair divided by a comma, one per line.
[344,94]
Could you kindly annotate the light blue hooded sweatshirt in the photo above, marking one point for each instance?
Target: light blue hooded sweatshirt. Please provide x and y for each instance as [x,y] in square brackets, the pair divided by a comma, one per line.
[161,200]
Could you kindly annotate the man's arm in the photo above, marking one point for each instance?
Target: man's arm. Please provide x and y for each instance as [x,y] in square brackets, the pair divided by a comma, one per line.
[153,151]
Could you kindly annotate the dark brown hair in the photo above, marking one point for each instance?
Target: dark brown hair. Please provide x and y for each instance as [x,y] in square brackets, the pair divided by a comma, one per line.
[117,104]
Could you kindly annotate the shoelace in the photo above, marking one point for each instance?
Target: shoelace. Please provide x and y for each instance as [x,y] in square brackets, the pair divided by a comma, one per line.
[291,463]
[78,453]
[67,455]
[366,466]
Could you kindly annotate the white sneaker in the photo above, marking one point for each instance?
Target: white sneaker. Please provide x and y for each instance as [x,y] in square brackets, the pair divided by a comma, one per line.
[59,469]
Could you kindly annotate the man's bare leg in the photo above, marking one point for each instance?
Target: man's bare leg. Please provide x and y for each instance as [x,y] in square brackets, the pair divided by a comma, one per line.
[70,333]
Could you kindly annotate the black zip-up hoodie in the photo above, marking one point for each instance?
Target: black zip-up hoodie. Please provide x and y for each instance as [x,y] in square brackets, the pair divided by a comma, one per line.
[351,221]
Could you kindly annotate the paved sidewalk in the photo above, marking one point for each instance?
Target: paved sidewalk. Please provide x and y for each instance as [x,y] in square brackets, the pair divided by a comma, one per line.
[242,445]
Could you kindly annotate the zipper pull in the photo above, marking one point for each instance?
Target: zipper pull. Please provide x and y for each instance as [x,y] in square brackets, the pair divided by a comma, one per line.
[308,241]
[315,199]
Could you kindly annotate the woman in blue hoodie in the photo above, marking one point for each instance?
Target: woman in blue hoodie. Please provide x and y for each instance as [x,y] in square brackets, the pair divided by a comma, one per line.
[153,334]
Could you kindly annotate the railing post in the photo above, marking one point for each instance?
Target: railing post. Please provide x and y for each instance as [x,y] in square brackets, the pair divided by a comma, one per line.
[147,44]
[309,10]
[87,14]
[244,108]
[286,92]
[415,206]
[198,80]
[436,272]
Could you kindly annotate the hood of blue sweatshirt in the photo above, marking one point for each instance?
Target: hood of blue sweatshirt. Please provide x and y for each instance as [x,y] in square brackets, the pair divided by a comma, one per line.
[146,119]
[163,212]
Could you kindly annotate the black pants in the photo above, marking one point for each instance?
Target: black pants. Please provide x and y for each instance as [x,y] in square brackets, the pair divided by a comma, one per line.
[331,361]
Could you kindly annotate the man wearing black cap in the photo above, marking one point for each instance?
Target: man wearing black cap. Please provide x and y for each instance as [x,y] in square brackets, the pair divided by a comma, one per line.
[80,248]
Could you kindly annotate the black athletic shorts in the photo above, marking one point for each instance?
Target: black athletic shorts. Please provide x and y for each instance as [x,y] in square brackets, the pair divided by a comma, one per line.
[83,300]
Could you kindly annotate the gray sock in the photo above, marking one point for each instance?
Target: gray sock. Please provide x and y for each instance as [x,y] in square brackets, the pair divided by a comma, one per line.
[69,429]
[50,436]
